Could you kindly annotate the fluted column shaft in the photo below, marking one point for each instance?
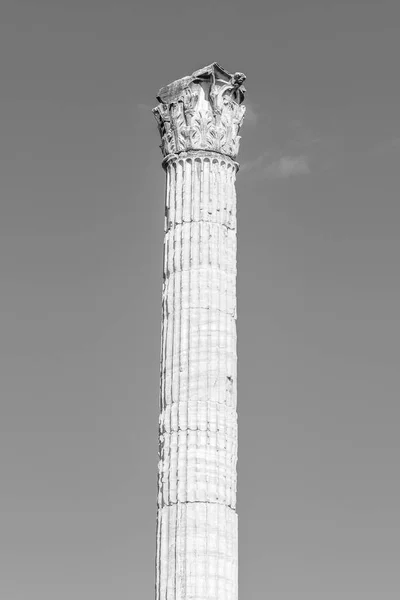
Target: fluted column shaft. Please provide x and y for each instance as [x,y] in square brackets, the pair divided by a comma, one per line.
[197,522]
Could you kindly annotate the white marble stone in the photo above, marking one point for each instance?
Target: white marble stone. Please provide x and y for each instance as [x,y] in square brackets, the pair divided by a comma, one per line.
[197,555]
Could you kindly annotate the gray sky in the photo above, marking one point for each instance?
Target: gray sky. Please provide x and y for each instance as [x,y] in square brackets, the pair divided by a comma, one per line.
[81,231]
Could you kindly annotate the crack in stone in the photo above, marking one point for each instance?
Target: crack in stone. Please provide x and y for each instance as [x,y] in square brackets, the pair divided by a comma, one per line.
[175,224]
[229,313]
[204,502]
[202,268]
[164,431]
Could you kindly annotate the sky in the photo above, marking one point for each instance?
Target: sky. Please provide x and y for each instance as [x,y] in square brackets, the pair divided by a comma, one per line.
[81,237]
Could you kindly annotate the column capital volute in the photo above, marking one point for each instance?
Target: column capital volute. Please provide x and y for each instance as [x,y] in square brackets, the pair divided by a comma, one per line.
[202,112]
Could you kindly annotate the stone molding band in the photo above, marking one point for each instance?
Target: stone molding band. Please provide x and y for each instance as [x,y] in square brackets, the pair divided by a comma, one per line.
[193,154]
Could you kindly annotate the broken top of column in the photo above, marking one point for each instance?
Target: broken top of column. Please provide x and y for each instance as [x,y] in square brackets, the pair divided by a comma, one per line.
[203,111]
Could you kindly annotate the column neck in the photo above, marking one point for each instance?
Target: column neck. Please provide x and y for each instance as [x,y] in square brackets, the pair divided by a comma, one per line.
[193,154]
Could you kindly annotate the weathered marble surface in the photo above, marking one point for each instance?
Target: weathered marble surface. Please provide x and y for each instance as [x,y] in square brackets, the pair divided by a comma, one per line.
[197,524]
[202,112]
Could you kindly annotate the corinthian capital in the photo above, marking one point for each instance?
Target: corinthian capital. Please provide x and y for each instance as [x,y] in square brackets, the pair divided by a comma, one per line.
[203,111]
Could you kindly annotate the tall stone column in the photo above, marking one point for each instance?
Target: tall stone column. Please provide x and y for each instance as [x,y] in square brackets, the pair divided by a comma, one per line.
[199,118]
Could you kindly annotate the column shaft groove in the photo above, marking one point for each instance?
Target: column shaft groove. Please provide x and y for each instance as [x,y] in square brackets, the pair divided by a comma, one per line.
[197,522]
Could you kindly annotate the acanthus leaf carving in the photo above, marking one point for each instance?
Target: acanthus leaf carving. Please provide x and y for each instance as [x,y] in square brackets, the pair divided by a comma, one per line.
[202,112]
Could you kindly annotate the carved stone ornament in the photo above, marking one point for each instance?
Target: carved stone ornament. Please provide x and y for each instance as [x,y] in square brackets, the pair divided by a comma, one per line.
[202,112]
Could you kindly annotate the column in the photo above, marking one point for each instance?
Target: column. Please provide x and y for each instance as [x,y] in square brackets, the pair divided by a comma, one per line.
[197,554]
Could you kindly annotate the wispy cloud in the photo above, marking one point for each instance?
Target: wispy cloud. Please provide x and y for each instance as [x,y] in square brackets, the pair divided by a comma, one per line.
[257,163]
[301,136]
[144,107]
[281,168]
[388,145]
[287,166]
[251,117]
[295,150]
